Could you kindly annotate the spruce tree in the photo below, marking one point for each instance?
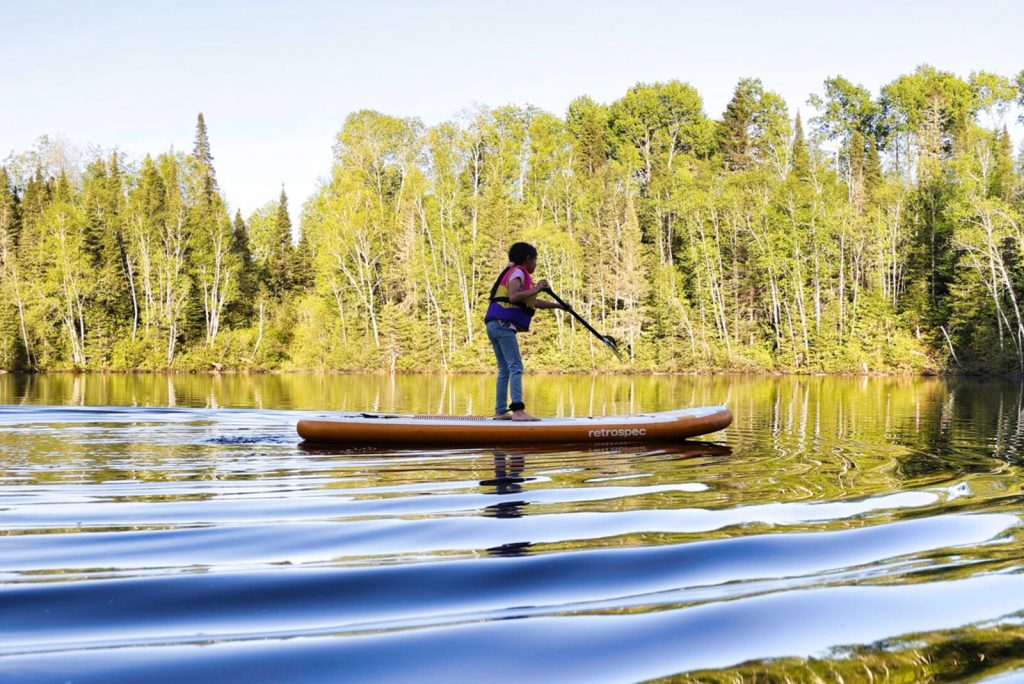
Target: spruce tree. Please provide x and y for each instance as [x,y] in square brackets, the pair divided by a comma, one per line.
[94,192]
[302,263]
[239,310]
[734,132]
[1001,181]
[801,159]
[204,158]
[280,277]
[872,168]
[587,122]
[855,168]
[201,150]
[240,243]
[37,194]
[10,356]
[111,306]
[8,208]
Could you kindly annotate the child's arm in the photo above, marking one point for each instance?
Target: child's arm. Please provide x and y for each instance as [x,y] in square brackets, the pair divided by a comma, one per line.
[516,295]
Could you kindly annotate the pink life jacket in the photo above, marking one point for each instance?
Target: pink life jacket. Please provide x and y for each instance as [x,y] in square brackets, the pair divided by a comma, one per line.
[502,309]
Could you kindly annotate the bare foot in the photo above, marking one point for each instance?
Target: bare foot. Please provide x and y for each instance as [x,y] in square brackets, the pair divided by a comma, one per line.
[522,415]
[502,416]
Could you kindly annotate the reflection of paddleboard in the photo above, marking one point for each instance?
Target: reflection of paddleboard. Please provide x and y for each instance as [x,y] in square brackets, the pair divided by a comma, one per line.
[369,428]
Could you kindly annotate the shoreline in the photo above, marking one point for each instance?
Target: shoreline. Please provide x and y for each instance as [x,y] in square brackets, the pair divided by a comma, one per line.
[701,373]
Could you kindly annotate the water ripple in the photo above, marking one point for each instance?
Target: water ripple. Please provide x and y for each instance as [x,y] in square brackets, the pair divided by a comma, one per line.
[155,544]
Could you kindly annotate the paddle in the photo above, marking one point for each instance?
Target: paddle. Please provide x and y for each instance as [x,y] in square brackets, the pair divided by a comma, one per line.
[610,341]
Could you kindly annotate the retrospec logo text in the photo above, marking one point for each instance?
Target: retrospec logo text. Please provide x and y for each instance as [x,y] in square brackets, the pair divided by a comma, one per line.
[623,432]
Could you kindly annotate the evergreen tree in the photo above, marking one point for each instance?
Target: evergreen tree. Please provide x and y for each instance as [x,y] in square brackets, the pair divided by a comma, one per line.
[33,202]
[587,122]
[13,343]
[8,208]
[855,169]
[281,278]
[302,263]
[735,130]
[239,310]
[1002,179]
[872,168]
[204,158]
[240,246]
[201,149]
[111,307]
[801,160]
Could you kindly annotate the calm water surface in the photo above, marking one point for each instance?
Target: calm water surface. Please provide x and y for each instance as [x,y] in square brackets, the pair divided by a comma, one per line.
[172,528]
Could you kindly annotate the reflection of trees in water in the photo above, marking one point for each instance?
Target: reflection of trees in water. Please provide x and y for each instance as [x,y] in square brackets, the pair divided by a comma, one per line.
[563,395]
[914,428]
[944,656]
[894,432]
[967,423]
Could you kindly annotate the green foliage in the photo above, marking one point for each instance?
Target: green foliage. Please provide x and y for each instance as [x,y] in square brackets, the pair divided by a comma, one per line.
[890,239]
[800,158]
[281,259]
[755,128]
[846,108]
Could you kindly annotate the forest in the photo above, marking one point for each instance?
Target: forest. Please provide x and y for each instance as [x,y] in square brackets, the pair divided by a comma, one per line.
[856,232]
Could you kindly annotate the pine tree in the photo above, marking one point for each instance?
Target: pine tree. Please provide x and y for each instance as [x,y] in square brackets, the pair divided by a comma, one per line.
[801,159]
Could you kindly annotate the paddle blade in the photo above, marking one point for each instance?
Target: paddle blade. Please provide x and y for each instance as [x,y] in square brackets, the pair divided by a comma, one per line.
[613,345]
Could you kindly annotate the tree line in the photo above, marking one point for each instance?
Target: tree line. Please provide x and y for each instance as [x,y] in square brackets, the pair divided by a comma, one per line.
[885,233]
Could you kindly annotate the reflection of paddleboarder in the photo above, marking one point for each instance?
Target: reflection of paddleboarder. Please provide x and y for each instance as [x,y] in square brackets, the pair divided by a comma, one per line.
[508,479]
[508,471]
[513,302]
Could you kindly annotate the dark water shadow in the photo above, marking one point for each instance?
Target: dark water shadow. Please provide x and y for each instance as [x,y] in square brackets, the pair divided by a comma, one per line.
[668,451]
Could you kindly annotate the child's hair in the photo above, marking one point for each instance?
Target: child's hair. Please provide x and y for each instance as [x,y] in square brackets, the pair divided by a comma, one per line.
[520,252]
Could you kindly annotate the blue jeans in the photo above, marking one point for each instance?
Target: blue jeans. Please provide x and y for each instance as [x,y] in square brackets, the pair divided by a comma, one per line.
[510,365]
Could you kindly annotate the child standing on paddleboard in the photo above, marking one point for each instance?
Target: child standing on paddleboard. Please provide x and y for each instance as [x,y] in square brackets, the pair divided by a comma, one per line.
[513,302]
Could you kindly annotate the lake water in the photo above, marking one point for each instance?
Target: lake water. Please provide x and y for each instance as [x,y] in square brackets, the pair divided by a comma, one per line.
[172,528]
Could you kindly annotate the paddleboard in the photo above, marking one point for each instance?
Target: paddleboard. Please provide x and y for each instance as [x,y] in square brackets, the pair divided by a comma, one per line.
[416,430]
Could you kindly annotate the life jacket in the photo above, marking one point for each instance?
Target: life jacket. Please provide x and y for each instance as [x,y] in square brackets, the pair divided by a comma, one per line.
[502,309]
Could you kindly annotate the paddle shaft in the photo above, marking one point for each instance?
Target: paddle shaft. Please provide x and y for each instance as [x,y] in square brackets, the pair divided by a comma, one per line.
[576,315]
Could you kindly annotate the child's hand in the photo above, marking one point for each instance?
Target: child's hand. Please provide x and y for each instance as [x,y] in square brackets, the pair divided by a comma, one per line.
[542,284]
[567,306]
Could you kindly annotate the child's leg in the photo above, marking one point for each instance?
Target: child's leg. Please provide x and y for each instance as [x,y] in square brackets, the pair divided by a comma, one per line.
[514,362]
[501,386]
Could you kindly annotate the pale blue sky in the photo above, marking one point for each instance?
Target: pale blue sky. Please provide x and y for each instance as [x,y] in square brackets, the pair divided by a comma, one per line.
[275,80]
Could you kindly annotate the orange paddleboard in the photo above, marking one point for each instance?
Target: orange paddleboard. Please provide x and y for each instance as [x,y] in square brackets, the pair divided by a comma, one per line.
[412,430]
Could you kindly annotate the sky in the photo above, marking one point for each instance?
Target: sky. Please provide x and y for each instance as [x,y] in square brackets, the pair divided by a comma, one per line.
[275,80]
